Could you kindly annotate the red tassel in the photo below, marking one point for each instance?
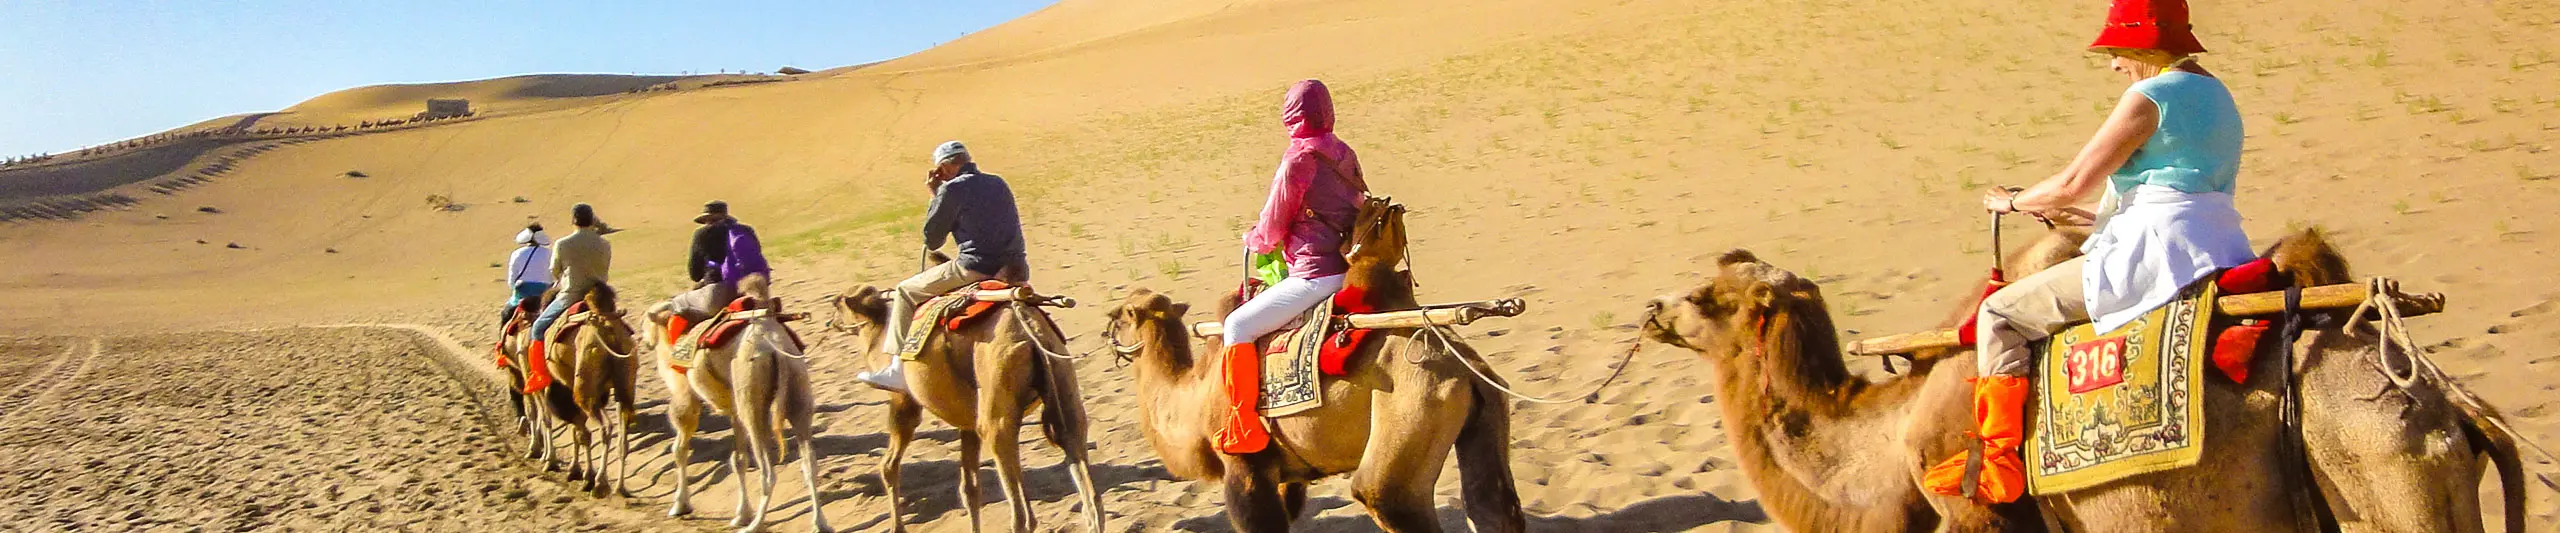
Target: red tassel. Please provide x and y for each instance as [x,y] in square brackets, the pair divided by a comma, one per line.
[2235,346]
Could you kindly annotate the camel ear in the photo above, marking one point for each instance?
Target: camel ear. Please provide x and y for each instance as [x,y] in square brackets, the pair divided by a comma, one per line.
[1736,256]
[1175,313]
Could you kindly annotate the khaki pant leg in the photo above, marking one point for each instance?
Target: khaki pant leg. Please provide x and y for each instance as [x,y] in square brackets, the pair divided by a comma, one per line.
[923,286]
[2027,311]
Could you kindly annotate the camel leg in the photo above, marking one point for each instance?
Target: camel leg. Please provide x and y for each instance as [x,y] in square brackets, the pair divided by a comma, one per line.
[1003,433]
[1254,505]
[802,410]
[1079,471]
[684,413]
[1399,468]
[531,418]
[904,414]
[756,426]
[1293,500]
[629,417]
[969,494]
[1066,428]
[738,471]
[800,420]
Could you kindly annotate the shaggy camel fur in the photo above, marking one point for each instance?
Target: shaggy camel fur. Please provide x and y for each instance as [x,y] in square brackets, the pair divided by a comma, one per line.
[589,369]
[1391,423]
[758,377]
[1816,439]
[982,379]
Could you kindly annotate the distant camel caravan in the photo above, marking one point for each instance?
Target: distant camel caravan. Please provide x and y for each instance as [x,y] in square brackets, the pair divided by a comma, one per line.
[1390,423]
[1829,451]
[982,377]
[758,376]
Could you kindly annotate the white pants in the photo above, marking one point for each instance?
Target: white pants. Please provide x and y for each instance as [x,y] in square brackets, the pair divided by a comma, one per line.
[1268,311]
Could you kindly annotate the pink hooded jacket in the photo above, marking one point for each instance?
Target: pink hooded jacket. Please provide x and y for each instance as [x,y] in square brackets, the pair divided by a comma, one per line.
[1316,192]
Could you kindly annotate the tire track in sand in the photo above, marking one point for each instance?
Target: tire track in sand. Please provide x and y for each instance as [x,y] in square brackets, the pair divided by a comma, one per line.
[64,370]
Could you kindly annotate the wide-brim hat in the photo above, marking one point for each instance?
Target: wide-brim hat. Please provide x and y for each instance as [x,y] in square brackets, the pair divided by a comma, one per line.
[2149,25]
[715,210]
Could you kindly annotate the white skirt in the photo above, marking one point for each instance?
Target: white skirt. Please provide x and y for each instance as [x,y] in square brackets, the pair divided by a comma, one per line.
[2157,243]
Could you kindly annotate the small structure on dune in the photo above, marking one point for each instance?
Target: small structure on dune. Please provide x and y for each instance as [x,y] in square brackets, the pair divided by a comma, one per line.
[791,71]
[446,107]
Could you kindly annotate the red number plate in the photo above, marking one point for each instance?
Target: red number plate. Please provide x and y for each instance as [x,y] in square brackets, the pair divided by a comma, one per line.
[2094,365]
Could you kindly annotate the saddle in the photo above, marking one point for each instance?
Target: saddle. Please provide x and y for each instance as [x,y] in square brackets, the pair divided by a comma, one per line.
[689,340]
[1328,326]
[569,322]
[953,311]
[2114,404]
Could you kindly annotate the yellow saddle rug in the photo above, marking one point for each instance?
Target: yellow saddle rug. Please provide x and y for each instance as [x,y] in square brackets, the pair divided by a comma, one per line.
[2122,403]
[1290,380]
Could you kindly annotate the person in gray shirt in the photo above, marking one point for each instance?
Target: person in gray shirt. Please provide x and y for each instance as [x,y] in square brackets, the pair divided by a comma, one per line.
[976,210]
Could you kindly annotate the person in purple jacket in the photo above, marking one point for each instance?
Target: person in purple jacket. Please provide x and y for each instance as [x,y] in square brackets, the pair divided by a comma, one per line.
[725,254]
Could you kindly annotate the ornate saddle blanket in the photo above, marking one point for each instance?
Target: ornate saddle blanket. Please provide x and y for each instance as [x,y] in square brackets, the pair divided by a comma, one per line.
[1317,344]
[948,312]
[1289,364]
[689,340]
[2121,403]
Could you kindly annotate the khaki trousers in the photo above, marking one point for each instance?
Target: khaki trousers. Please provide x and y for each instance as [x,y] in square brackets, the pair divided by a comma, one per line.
[2027,311]
[932,282]
[700,303]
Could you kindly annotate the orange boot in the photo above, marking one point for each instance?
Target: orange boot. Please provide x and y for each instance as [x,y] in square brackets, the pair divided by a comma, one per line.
[1244,432]
[1999,404]
[537,372]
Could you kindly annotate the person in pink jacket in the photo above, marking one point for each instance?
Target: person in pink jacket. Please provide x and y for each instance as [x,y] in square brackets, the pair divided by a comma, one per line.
[1314,197]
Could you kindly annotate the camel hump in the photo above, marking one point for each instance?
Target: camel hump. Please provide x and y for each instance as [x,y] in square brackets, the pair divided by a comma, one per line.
[2309,259]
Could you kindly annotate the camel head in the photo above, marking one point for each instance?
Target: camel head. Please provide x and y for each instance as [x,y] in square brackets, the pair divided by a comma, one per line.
[1752,317]
[862,310]
[617,332]
[1377,233]
[1147,325]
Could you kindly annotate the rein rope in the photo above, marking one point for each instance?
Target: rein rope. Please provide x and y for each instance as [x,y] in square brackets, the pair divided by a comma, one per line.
[1022,316]
[2382,300]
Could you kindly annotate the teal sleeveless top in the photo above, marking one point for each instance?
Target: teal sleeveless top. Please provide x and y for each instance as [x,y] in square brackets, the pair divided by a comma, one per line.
[2196,148]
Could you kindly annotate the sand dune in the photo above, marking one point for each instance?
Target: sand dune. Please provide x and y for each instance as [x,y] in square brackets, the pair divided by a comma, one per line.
[1581,155]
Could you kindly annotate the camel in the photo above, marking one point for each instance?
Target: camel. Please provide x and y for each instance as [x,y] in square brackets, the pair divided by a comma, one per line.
[1833,452]
[982,379]
[533,415]
[590,368]
[1391,423]
[761,376]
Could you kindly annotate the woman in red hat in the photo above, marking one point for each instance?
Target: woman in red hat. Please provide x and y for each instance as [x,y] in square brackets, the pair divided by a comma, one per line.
[2164,166]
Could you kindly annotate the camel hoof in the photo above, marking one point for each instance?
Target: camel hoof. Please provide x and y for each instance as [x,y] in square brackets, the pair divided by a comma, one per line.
[679,509]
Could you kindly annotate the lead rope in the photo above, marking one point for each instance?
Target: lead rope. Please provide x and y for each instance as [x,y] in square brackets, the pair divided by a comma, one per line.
[1444,343]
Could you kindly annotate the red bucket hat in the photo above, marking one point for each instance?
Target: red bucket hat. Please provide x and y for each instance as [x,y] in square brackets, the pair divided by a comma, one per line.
[2151,25]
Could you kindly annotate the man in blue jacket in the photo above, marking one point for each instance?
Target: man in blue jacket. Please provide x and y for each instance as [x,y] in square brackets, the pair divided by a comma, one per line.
[975,209]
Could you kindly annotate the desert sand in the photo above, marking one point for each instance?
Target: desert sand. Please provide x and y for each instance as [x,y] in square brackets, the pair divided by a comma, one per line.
[1581,155]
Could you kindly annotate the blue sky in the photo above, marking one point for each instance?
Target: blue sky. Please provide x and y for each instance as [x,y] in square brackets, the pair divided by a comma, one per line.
[77,73]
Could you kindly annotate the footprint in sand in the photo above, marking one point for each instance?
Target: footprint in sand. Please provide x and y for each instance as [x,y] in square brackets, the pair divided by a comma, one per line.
[2546,306]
